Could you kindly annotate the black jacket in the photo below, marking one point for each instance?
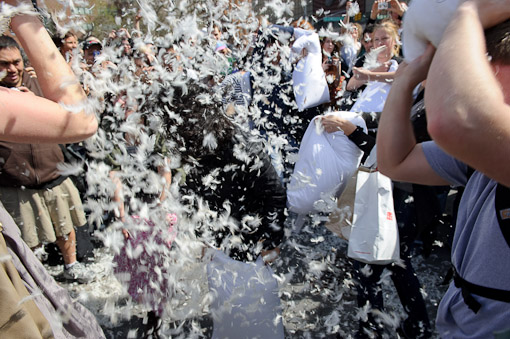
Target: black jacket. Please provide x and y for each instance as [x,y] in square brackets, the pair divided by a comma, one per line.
[240,181]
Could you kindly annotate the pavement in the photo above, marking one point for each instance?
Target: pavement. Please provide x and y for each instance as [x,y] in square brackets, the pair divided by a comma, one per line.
[318,294]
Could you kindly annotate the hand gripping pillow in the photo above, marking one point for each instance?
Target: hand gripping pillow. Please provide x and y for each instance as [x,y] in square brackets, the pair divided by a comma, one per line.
[325,164]
[425,21]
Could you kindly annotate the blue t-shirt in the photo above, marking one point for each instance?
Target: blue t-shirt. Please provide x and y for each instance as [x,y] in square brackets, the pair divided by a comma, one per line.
[479,253]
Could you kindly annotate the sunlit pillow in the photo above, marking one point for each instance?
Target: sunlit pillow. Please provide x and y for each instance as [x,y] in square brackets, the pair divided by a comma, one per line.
[425,21]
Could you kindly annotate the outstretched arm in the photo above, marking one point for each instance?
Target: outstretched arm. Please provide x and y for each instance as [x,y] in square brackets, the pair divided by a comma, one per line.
[375,75]
[375,11]
[397,7]
[346,20]
[166,174]
[467,97]
[398,155]
[34,119]
[361,76]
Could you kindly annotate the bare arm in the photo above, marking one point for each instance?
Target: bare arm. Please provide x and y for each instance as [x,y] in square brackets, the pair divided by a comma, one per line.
[333,123]
[165,172]
[354,83]
[361,76]
[375,10]
[33,119]
[468,112]
[118,196]
[118,199]
[137,33]
[396,7]
[398,155]
[380,76]
[346,20]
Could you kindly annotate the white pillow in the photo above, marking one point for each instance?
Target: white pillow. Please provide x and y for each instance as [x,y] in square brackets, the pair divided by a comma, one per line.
[326,162]
[425,21]
[308,78]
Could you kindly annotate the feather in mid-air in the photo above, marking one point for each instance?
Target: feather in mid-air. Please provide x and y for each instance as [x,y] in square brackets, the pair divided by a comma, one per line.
[136,100]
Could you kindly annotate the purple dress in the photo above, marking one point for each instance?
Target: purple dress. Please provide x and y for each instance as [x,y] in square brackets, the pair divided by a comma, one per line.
[142,265]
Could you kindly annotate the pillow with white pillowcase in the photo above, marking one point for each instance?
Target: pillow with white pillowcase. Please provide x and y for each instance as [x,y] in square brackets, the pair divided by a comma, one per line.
[425,21]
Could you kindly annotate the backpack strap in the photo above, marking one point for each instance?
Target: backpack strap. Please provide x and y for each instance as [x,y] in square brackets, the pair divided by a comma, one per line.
[502,204]
[469,173]
[487,292]
[502,209]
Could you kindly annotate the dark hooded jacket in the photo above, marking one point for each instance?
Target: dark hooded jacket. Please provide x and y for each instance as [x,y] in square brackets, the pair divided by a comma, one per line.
[240,180]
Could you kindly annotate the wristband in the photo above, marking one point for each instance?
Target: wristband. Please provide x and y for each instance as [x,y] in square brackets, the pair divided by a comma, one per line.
[358,129]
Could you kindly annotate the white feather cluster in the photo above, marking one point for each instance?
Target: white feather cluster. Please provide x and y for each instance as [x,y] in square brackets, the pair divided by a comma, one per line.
[135,107]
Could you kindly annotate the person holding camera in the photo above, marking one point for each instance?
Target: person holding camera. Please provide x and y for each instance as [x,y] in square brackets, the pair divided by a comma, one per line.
[387,9]
[331,65]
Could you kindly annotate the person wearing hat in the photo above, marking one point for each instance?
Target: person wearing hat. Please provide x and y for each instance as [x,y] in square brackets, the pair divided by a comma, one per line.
[221,47]
[91,49]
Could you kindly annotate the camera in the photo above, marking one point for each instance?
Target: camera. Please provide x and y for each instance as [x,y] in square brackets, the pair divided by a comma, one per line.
[383,5]
[96,54]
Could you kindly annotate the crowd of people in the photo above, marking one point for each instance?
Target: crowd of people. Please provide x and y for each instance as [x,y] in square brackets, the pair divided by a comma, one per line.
[182,148]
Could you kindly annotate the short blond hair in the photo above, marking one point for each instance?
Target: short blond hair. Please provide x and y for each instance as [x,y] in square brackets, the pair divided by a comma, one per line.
[358,28]
[392,30]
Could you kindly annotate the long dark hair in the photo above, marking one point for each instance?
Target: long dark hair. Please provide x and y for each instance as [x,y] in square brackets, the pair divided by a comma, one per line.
[498,43]
[197,113]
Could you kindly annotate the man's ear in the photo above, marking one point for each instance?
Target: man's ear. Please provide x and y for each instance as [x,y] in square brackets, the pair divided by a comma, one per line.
[502,73]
